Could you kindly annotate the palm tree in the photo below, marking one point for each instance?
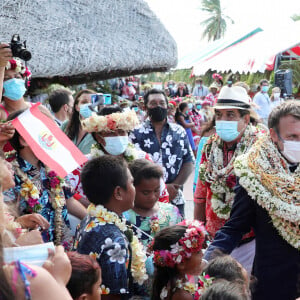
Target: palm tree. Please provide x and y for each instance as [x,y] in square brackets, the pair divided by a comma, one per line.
[295,17]
[215,25]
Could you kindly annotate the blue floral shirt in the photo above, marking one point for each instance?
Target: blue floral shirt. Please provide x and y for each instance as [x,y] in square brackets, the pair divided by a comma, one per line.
[41,181]
[173,151]
[109,246]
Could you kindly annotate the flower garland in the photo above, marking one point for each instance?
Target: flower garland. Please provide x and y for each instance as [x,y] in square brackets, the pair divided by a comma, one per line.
[264,173]
[190,243]
[31,195]
[130,153]
[138,269]
[154,224]
[120,120]
[222,179]
[195,289]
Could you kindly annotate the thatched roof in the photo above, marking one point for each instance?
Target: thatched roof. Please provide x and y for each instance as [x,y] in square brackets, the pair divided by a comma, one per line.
[89,39]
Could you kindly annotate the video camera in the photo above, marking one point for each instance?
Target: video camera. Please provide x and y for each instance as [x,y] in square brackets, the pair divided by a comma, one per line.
[18,48]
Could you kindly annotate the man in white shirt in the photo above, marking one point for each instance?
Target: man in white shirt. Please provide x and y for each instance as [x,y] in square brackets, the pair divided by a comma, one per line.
[200,91]
[262,100]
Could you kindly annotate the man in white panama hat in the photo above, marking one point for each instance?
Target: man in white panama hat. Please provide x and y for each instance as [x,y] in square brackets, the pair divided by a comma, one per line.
[214,191]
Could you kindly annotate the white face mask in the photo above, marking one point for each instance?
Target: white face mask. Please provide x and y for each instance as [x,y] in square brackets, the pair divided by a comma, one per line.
[276,96]
[291,151]
[116,145]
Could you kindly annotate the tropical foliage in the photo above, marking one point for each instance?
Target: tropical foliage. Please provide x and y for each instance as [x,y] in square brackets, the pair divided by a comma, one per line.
[215,26]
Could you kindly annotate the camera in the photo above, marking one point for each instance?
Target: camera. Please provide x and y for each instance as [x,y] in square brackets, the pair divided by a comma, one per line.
[18,48]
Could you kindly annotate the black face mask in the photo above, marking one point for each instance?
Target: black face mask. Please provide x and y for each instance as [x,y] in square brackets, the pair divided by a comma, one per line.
[157,113]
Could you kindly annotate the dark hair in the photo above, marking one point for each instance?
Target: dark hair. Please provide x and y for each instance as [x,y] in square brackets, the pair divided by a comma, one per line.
[152,92]
[15,140]
[290,107]
[179,109]
[58,98]
[85,273]
[164,275]
[263,81]
[144,169]
[74,124]
[101,175]
[226,290]
[108,110]
[224,267]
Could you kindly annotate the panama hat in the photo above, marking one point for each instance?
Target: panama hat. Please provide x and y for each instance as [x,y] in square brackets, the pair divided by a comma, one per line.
[234,97]
[214,85]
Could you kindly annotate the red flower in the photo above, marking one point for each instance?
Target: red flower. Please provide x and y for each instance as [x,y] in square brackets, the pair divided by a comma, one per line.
[13,64]
[231,181]
[111,124]
[32,202]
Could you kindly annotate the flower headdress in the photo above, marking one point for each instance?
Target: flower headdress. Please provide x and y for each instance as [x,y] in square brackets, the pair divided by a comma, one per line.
[125,121]
[191,242]
[17,65]
[216,75]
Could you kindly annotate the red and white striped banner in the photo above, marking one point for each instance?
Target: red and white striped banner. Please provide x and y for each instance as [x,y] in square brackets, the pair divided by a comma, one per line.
[48,142]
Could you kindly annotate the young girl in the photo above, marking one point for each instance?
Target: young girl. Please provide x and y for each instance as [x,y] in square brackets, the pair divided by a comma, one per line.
[148,214]
[177,253]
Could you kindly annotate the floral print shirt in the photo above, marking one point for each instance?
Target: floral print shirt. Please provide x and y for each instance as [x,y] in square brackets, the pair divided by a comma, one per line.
[167,215]
[171,154]
[41,181]
[106,243]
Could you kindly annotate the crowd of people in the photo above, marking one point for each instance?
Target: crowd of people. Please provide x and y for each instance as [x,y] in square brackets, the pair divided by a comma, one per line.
[118,221]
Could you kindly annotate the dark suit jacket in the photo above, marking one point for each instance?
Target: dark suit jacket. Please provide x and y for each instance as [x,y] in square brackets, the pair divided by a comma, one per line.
[276,264]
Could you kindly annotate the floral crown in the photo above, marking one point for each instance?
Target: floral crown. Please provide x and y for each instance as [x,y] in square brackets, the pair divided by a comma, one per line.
[17,65]
[120,120]
[191,242]
[216,75]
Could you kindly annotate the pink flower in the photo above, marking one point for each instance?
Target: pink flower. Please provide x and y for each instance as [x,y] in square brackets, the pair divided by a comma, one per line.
[52,174]
[54,182]
[32,202]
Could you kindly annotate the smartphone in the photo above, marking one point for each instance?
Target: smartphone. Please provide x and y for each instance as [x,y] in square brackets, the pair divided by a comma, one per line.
[100,99]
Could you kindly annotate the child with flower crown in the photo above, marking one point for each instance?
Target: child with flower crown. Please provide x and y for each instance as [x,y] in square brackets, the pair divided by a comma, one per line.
[177,253]
[103,234]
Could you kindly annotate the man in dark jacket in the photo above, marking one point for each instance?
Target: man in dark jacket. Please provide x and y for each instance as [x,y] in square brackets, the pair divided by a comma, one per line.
[267,199]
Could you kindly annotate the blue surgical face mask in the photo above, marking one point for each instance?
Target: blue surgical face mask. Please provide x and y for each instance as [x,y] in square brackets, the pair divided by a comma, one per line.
[227,130]
[136,109]
[198,106]
[116,145]
[14,89]
[85,111]
[264,89]
[190,105]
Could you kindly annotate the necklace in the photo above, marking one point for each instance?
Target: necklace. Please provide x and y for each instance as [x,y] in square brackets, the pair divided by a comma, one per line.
[138,269]
[31,195]
[264,173]
[222,178]
[195,289]
[130,153]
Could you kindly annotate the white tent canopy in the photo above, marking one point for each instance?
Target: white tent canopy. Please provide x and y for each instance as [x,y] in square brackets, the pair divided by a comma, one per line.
[252,52]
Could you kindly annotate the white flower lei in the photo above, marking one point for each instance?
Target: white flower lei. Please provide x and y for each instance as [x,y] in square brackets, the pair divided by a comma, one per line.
[130,153]
[264,173]
[214,172]
[138,268]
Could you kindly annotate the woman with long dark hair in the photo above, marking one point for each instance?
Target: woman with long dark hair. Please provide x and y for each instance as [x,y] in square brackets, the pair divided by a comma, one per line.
[82,139]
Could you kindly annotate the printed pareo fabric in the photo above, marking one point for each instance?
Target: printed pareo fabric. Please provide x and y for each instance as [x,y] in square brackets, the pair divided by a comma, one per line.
[41,181]
[173,151]
[109,246]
